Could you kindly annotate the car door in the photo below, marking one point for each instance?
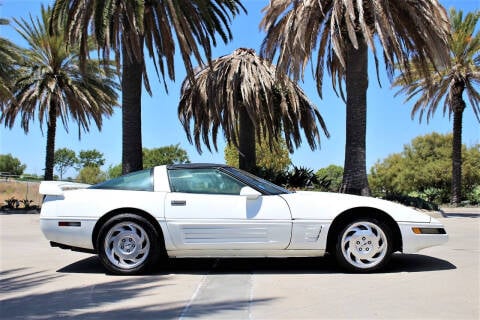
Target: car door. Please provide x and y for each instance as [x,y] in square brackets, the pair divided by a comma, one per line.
[206,210]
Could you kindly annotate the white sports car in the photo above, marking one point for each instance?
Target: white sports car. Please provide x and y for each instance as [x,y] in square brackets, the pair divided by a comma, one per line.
[206,210]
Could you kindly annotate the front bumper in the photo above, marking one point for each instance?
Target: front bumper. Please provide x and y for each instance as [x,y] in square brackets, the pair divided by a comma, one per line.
[417,236]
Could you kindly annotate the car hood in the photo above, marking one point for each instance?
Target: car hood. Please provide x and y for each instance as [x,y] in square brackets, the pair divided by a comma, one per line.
[324,205]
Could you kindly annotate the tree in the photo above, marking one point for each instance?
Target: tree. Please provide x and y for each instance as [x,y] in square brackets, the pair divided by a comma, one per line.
[301,178]
[171,154]
[114,171]
[241,94]
[276,158]
[448,85]
[423,168]
[342,31]
[51,85]
[91,158]
[9,57]
[129,27]
[10,165]
[471,170]
[64,158]
[91,175]
[333,174]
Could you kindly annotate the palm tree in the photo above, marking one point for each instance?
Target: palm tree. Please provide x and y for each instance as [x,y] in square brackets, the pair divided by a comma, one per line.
[9,56]
[126,27]
[448,85]
[51,85]
[241,94]
[341,31]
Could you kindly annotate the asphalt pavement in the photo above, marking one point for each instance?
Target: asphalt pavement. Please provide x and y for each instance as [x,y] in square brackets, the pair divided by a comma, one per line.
[39,282]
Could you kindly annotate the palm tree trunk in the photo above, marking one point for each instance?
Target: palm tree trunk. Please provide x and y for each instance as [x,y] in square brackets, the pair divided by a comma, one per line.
[355,172]
[50,150]
[458,105]
[246,156]
[131,115]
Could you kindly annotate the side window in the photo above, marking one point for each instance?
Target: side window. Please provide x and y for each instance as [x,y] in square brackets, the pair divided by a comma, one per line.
[136,181]
[208,181]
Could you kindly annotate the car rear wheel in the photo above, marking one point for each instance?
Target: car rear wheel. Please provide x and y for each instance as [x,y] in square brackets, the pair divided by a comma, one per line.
[364,245]
[128,244]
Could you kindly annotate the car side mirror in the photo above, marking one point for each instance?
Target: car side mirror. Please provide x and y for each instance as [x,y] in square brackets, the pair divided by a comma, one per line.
[250,193]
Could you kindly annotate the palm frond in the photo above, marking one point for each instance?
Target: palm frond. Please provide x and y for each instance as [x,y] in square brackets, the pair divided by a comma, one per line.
[49,74]
[244,81]
[296,29]
[160,26]
[463,71]
[10,56]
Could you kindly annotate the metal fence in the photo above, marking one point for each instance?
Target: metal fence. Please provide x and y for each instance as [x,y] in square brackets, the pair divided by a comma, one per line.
[24,187]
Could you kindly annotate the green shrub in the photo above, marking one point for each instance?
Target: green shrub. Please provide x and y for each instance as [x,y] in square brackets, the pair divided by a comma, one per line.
[412,201]
[473,197]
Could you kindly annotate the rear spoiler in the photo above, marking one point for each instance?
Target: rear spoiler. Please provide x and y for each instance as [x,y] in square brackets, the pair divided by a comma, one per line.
[56,188]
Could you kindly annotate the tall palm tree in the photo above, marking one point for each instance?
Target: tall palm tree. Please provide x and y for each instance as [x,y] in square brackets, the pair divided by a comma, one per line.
[51,85]
[241,94]
[448,84]
[341,31]
[9,56]
[127,27]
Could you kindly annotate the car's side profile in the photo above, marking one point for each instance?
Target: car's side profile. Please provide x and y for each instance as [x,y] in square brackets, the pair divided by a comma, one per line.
[207,210]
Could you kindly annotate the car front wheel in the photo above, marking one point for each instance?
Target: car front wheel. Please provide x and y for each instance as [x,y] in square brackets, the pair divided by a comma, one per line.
[128,244]
[364,245]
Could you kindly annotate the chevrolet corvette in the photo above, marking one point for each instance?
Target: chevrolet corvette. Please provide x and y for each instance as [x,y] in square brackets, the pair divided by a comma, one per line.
[206,210]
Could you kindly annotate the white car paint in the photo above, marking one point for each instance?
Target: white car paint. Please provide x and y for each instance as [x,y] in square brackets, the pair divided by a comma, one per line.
[87,206]
[295,224]
[208,221]
[326,206]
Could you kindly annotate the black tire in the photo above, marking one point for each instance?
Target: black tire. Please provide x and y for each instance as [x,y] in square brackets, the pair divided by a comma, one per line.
[364,245]
[129,244]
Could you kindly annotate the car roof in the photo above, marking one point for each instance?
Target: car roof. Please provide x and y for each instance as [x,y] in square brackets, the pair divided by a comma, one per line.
[195,166]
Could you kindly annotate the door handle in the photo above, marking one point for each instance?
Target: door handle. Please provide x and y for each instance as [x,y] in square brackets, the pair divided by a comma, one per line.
[178,203]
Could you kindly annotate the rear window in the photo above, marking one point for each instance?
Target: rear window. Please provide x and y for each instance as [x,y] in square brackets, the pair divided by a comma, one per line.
[135,181]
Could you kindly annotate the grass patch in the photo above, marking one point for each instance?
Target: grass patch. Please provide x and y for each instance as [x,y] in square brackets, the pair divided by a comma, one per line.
[20,190]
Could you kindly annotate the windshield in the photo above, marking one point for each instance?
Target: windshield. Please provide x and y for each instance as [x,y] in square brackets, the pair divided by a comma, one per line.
[260,184]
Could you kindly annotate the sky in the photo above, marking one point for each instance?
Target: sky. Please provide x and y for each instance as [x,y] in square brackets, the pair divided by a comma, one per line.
[389,122]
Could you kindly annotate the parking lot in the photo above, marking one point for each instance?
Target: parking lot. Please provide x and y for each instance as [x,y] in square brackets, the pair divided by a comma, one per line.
[39,282]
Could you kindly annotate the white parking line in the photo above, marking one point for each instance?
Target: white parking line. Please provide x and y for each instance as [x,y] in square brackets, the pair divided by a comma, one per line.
[195,293]
[250,299]
[221,296]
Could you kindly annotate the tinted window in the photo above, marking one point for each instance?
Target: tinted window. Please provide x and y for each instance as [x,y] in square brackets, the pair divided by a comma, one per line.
[260,184]
[136,181]
[207,180]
